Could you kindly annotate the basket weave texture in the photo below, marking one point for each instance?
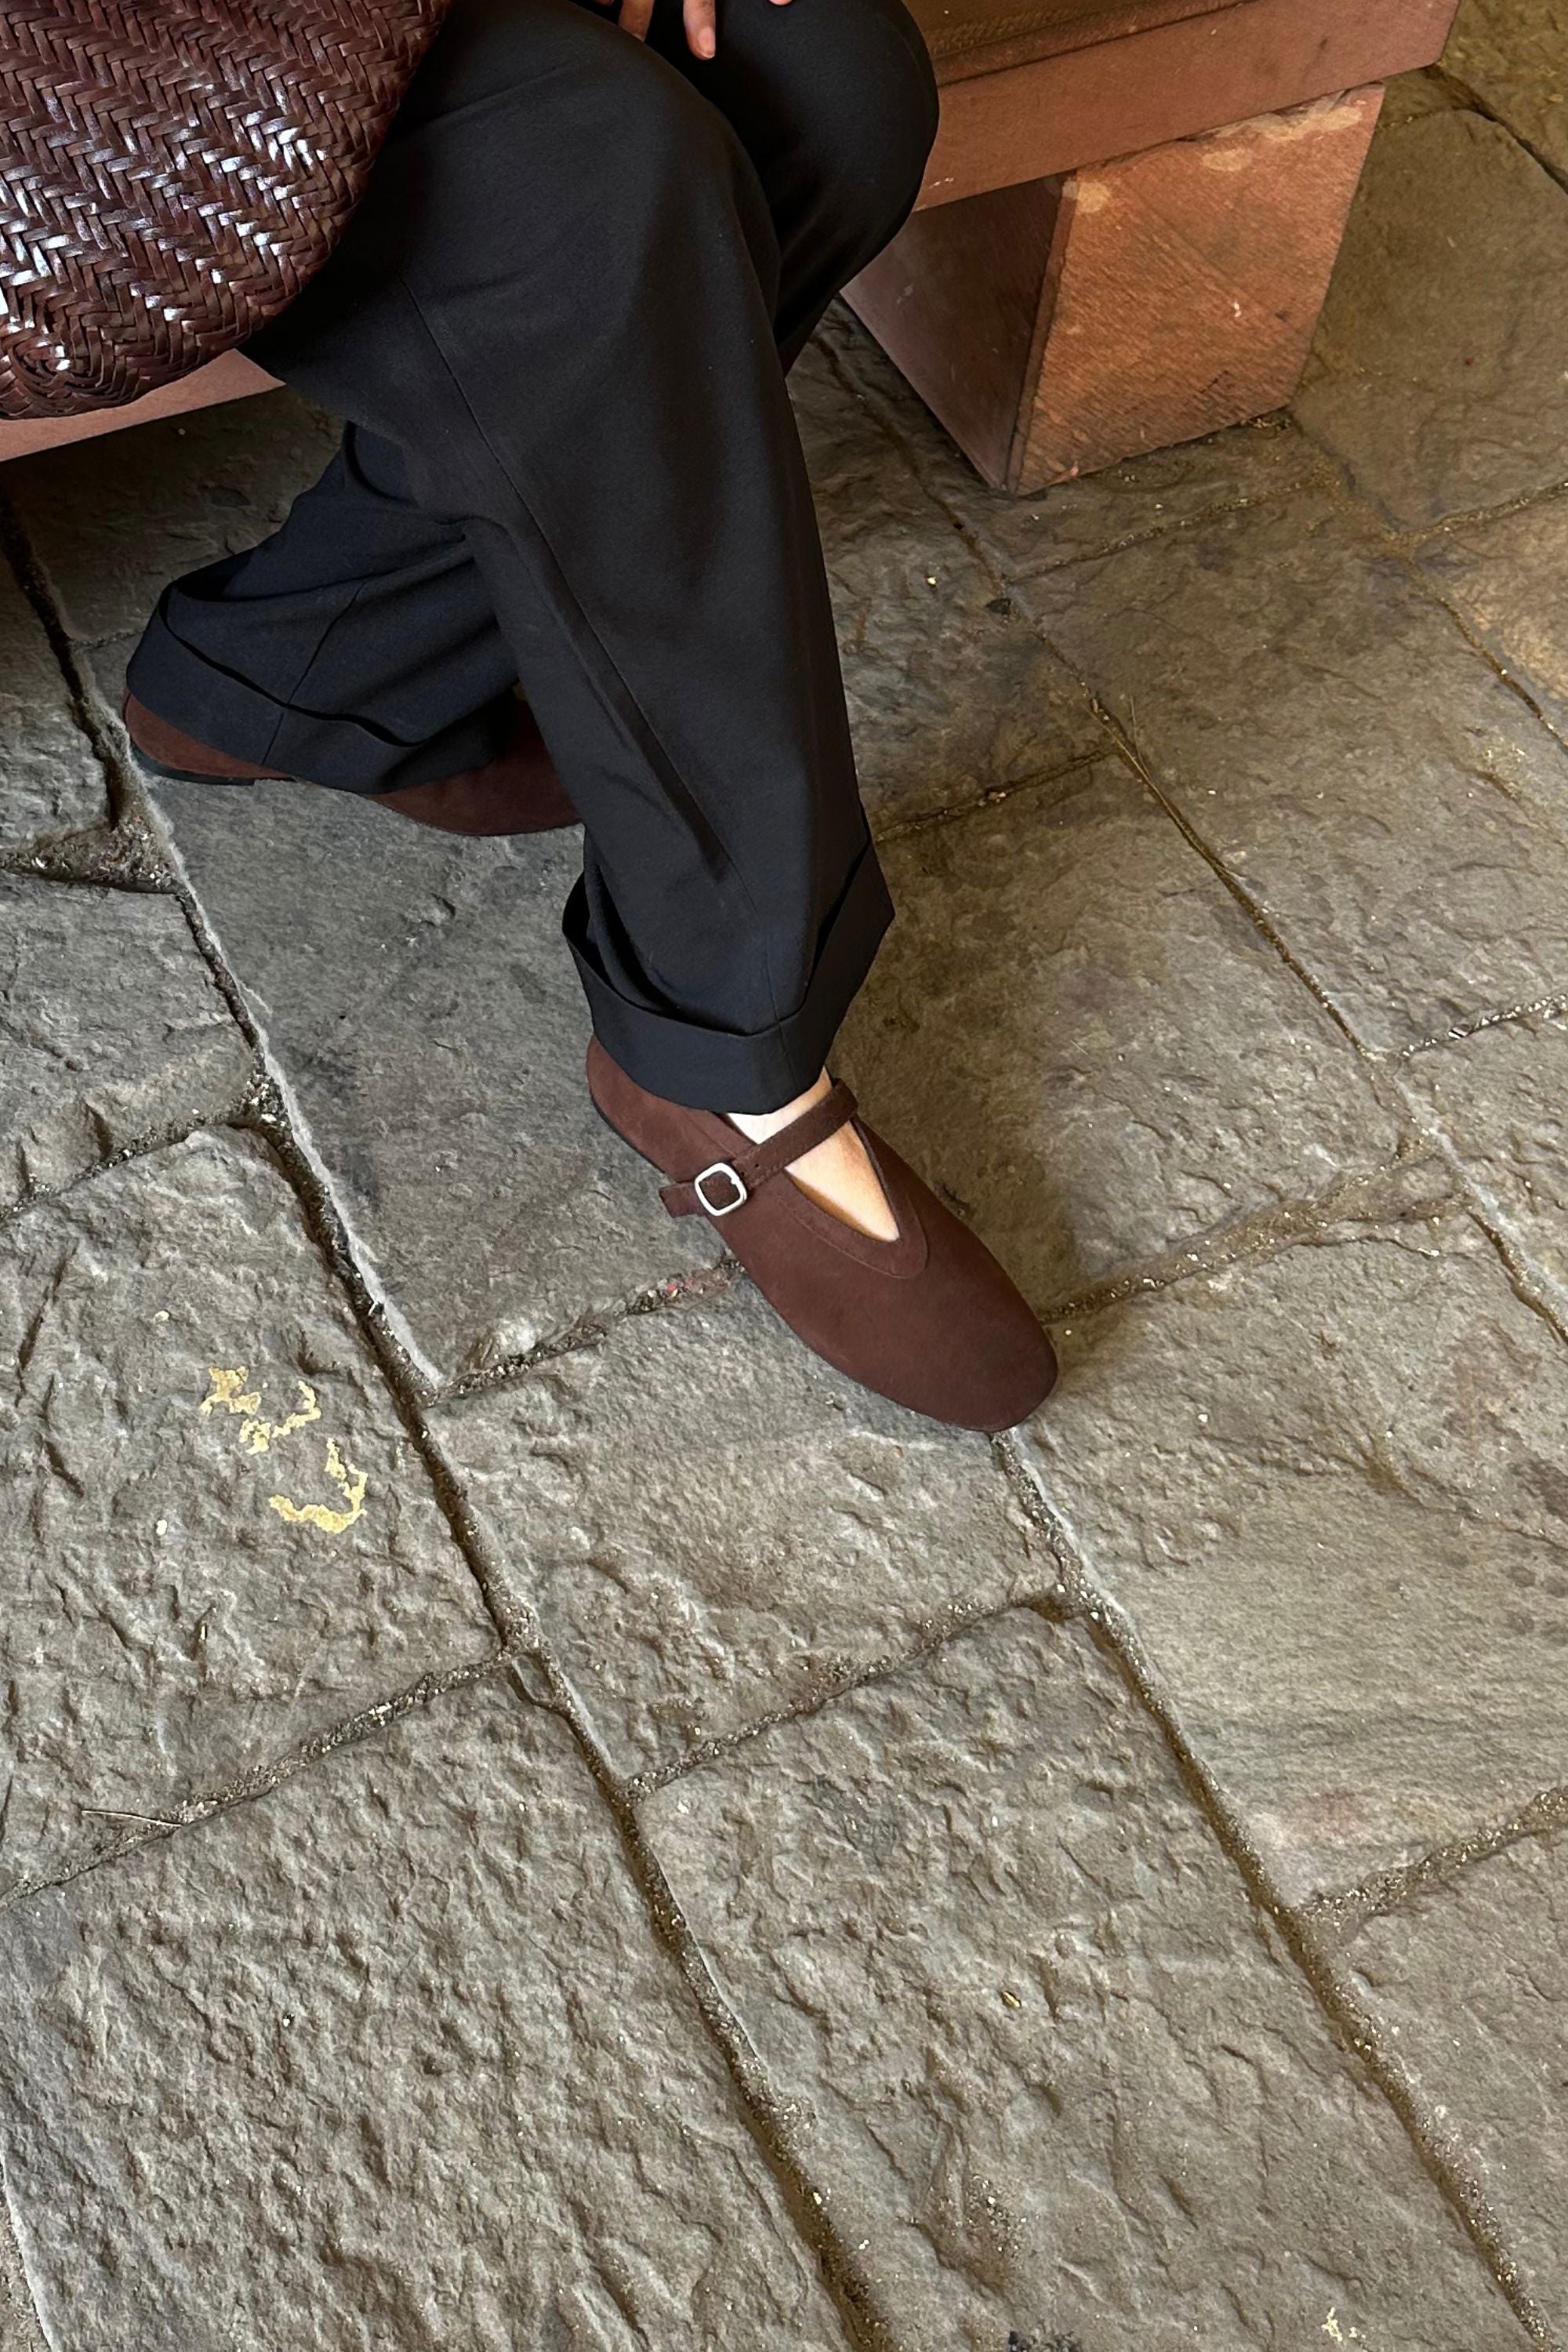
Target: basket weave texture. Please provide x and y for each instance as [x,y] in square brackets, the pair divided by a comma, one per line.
[171,171]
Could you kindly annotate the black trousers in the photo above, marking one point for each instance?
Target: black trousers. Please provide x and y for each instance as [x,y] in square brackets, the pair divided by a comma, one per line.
[558,327]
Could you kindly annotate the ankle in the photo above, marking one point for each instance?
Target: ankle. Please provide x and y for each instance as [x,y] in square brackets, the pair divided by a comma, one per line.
[757,1126]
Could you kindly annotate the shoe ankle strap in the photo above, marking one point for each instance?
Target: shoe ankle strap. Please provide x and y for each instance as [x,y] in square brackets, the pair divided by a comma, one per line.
[729,1183]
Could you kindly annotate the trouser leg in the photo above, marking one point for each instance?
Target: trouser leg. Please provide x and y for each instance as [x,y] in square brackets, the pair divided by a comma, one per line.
[358,645]
[558,303]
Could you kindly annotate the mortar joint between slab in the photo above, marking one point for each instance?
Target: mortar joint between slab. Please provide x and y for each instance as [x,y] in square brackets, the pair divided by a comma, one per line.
[1340,1912]
[1460,93]
[1250,906]
[1421,535]
[1362,1198]
[1506,677]
[259,1779]
[19,2269]
[956,1624]
[864,2324]
[1108,1626]
[267,1117]
[1536,1008]
[1530,1285]
[99,857]
[151,1139]
[17,549]
[1332,478]
[591,1329]
[992,797]
[1120,740]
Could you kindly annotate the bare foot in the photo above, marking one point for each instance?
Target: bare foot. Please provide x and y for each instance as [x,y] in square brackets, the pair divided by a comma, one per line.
[838,1175]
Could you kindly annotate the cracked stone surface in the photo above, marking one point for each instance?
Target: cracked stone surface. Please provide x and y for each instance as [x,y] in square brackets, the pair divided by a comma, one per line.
[167,1625]
[1328,1493]
[1513,54]
[112,521]
[1048,2069]
[1076,1033]
[111,1030]
[1500,1101]
[422,1006]
[388,2059]
[1468,1982]
[1438,370]
[1504,577]
[50,780]
[952,693]
[1397,814]
[713,1525]
[1137,500]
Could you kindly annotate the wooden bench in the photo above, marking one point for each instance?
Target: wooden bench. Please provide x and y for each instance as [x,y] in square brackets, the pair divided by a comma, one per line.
[1130,217]
[1126,232]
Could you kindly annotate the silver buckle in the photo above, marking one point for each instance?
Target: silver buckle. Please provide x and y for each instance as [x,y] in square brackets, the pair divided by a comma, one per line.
[722,1167]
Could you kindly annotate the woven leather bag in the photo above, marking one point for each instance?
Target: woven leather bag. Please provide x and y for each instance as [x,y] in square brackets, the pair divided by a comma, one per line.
[171,171]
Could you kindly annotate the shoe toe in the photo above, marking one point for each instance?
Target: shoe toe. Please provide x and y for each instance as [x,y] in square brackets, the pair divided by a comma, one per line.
[958,1340]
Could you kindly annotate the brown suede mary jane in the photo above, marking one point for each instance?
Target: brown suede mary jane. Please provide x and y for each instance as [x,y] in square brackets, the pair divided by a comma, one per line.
[930,1319]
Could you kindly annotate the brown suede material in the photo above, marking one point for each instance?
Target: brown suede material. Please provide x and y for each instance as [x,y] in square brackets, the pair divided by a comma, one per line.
[518,792]
[750,1164]
[930,1321]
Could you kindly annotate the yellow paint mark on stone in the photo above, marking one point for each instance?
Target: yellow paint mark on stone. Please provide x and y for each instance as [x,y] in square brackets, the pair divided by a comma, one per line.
[226,1391]
[257,1436]
[260,1434]
[351,1484]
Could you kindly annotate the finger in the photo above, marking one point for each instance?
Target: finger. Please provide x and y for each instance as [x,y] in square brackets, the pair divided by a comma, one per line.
[635,18]
[701,27]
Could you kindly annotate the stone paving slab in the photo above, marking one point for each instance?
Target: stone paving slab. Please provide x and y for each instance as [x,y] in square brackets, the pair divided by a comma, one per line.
[1329,1492]
[424,1013]
[1504,577]
[50,780]
[1137,500]
[1074,1030]
[1467,1982]
[18,2315]
[1438,370]
[1500,1099]
[385,2061]
[111,521]
[1399,814]
[714,1525]
[952,693]
[1410,96]
[1513,54]
[111,1032]
[214,1538]
[1043,2062]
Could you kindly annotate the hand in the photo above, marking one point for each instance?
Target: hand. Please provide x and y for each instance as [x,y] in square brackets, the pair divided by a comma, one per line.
[698,16]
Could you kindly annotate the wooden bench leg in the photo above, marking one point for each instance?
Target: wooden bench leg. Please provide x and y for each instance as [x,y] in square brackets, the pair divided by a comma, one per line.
[1059,326]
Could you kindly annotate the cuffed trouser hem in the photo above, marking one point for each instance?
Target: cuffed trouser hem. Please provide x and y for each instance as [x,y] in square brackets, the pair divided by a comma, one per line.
[723,1070]
[216,706]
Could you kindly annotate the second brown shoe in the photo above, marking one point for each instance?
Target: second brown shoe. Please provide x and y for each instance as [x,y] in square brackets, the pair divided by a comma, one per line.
[518,792]
[930,1321]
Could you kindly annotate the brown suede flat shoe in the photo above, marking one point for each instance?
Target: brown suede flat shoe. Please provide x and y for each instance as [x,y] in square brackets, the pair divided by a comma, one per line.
[518,792]
[930,1321]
